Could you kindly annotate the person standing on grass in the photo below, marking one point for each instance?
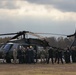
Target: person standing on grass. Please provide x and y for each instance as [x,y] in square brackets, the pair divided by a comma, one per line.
[73,54]
[51,55]
[42,56]
[67,55]
[15,56]
[32,54]
[58,56]
[20,55]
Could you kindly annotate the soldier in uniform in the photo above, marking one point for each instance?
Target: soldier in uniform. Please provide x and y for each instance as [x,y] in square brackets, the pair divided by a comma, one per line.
[23,54]
[67,55]
[51,55]
[27,55]
[58,56]
[73,53]
[32,54]
[42,56]
[20,55]
[15,55]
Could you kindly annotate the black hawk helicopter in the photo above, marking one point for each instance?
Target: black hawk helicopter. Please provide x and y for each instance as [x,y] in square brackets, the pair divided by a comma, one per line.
[20,40]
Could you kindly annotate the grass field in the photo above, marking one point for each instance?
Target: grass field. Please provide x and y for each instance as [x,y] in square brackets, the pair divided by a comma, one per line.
[37,69]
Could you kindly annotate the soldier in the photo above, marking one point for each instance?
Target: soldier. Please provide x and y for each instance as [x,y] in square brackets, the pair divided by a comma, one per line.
[58,56]
[73,54]
[23,54]
[51,55]
[67,55]
[15,56]
[27,55]
[20,55]
[42,56]
[32,54]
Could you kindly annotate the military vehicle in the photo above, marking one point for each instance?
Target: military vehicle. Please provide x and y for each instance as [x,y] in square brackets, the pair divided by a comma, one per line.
[18,40]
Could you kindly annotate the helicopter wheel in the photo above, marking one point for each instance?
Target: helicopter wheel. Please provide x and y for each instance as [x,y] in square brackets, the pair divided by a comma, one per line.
[8,60]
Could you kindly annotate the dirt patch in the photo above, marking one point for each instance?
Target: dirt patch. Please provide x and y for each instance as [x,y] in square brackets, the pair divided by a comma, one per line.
[37,69]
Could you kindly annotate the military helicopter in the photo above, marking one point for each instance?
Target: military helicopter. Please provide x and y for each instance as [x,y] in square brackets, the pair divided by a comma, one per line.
[19,39]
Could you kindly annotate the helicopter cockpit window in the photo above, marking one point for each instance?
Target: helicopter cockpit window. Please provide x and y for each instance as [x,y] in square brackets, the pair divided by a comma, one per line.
[15,46]
[8,47]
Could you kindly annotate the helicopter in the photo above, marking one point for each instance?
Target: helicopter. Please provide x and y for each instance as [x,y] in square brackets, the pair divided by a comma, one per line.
[19,39]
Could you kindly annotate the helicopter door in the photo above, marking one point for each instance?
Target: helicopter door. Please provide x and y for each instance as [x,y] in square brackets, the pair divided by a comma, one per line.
[15,46]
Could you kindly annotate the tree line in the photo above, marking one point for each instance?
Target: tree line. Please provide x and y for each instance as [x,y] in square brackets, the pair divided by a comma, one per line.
[4,40]
[60,42]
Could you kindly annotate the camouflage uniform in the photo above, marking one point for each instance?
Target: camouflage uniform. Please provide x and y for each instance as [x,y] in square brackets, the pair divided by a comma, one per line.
[42,56]
[15,55]
[23,55]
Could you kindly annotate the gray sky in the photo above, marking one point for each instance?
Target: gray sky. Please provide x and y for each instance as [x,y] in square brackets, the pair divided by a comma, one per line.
[52,16]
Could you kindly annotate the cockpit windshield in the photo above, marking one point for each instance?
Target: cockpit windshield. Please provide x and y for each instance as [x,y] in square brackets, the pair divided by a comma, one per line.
[7,47]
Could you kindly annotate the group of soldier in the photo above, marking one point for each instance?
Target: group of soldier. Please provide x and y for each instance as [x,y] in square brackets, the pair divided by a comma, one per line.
[25,55]
[61,56]
[29,55]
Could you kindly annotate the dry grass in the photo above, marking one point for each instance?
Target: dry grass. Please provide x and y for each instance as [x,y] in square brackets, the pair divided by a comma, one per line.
[37,69]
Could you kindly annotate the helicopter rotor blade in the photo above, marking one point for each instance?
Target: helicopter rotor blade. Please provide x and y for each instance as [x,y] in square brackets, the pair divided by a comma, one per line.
[31,33]
[71,35]
[19,34]
[52,34]
[8,34]
[34,34]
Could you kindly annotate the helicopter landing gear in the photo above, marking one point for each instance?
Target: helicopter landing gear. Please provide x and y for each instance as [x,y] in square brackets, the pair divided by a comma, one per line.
[8,60]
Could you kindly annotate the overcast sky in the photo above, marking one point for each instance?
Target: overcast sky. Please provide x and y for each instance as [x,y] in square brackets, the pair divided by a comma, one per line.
[52,16]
